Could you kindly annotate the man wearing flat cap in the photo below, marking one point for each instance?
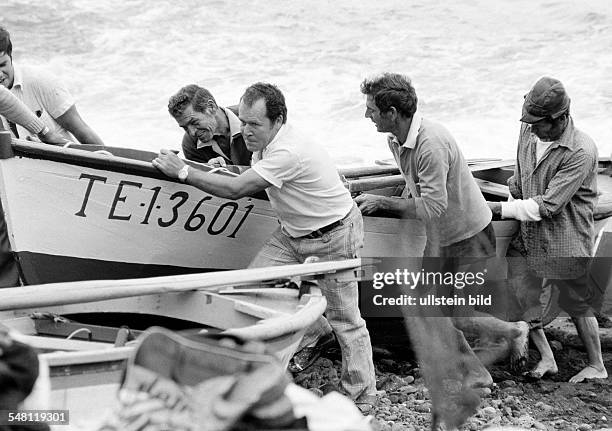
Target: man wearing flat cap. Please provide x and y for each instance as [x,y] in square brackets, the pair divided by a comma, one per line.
[553,194]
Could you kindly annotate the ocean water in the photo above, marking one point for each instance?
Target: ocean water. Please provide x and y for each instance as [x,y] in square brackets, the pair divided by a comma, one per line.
[471,62]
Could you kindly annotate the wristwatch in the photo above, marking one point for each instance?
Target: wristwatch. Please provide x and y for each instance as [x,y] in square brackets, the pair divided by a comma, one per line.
[182,174]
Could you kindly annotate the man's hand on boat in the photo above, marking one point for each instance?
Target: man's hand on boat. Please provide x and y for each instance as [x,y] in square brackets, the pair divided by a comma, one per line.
[50,137]
[218,162]
[367,203]
[168,162]
[495,208]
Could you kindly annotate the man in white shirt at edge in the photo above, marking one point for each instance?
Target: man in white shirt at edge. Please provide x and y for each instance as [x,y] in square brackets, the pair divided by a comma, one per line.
[42,93]
[315,211]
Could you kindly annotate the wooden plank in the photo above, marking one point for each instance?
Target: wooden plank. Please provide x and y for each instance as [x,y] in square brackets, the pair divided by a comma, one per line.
[365,171]
[100,290]
[366,184]
[495,189]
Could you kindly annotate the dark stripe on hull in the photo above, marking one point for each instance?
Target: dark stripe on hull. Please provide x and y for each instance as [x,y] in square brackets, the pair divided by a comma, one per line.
[38,268]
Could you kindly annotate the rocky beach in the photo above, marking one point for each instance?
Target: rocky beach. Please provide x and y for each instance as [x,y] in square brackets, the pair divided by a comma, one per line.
[514,401]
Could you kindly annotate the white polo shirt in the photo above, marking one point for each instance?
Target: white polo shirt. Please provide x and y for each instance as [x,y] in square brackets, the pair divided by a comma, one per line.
[44,94]
[306,191]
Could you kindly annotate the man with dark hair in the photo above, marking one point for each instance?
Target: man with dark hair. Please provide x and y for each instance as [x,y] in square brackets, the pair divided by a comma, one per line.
[44,95]
[440,191]
[553,194]
[316,214]
[212,134]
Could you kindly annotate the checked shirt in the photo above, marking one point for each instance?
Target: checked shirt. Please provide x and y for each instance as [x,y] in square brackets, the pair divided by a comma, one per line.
[564,185]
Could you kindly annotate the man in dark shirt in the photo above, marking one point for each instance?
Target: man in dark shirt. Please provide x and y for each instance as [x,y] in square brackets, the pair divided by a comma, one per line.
[212,134]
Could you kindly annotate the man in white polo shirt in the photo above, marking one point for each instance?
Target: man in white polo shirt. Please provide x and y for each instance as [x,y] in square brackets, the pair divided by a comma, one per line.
[42,93]
[316,213]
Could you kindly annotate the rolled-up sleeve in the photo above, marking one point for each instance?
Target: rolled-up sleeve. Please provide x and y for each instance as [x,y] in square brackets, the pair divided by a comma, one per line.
[433,166]
[565,183]
[15,111]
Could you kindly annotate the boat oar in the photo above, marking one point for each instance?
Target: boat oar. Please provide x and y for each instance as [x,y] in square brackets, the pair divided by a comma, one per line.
[100,290]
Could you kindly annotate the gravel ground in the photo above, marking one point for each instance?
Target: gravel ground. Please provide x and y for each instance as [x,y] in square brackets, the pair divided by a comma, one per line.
[548,404]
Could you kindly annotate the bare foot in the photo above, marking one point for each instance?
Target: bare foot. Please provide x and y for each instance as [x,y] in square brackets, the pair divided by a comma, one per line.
[589,372]
[543,368]
[519,346]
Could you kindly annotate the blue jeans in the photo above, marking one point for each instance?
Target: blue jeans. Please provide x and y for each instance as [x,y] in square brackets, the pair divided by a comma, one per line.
[342,313]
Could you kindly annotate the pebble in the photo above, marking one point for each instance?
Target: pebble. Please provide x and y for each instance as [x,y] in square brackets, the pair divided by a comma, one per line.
[543,406]
[525,421]
[408,389]
[584,427]
[507,384]
[423,408]
[539,425]
[556,345]
[512,391]
[489,412]
[365,408]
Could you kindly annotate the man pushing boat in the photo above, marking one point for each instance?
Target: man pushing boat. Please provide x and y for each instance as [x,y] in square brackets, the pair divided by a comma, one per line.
[443,194]
[16,112]
[212,134]
[553,193]
[316,214]
[44,95]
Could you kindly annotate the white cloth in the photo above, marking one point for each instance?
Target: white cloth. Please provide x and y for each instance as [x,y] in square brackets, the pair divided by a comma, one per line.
[333,412]
[45,95]
[306,191]
[528,209]
[523,210]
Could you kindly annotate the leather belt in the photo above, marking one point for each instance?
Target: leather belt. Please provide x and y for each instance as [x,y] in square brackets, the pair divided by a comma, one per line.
[319,232]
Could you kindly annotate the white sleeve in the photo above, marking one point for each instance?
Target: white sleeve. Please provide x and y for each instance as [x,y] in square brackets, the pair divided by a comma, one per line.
[523,210]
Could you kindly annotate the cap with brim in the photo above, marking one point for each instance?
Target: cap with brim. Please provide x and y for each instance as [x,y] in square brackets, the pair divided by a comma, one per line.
[547,99]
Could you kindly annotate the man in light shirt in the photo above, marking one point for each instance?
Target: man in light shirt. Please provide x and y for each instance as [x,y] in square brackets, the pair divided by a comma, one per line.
[553,194]
[44,95]
[316,214]
[444,195]
[212,134]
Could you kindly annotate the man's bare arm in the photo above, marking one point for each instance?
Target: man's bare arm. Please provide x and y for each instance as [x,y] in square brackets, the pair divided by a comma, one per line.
[71,120]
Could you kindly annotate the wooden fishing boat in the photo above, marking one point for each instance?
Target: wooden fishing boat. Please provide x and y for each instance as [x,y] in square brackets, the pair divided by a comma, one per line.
[492,176]
[85,358]
[75,214]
